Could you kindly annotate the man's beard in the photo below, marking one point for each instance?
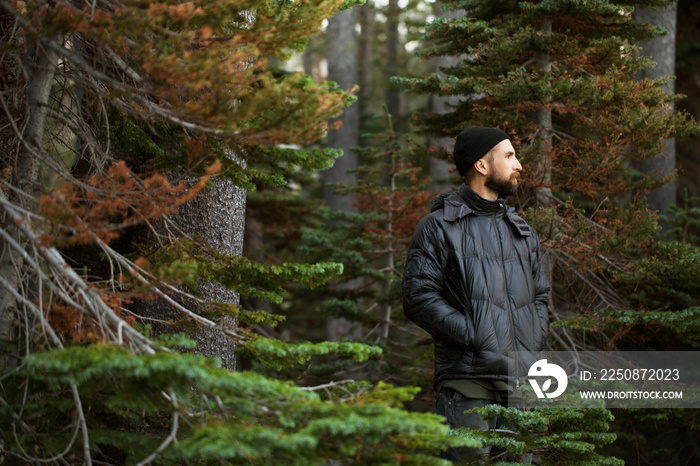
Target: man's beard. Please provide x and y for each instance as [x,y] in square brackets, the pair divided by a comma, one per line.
[503,186]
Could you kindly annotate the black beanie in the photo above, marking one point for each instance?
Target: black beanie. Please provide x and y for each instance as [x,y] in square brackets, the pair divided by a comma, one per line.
[473,143]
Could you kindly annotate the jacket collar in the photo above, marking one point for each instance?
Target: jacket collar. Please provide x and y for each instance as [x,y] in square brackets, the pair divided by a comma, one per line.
[455,207]
[479,205]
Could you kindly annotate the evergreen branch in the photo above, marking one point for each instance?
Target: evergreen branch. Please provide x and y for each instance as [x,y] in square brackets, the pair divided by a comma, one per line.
[32,459]
[595,282]
[175,119]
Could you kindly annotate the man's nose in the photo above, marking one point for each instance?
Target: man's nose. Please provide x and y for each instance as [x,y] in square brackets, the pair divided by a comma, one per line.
[517,165]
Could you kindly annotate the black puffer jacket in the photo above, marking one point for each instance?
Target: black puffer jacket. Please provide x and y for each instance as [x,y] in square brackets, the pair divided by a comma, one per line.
[473,281]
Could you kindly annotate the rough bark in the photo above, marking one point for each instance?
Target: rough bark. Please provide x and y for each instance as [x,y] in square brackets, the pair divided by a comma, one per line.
[663,51]
[217,216]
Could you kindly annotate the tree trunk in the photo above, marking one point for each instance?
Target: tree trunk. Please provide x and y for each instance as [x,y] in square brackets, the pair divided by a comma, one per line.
[365,45]
[392,96]
[27,101]
[543,119]
[217,216]
[341,53]
[440,176]
[663,51]
[543,192]
[312,58]
[688,84]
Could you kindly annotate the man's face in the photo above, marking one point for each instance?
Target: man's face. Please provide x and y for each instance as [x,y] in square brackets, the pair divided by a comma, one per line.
[504,169]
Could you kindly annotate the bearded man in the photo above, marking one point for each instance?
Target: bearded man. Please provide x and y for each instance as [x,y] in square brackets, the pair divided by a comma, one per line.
[473,280]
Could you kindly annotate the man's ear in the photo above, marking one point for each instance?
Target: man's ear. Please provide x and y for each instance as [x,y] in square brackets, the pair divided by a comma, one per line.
[481,166]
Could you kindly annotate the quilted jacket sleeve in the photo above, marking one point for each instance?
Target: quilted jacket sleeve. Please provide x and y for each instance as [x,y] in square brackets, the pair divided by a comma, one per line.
[423,283]
[542,289]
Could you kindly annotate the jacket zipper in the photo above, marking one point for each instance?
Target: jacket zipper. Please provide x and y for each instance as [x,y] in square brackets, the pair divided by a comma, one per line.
[505,278]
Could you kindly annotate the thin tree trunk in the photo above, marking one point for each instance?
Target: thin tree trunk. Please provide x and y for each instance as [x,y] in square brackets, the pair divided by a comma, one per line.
[392,96]
[341,53]
[365,58]
[390,262]
[39,82]
[688,84]
[440,175]
[543,119]
[25,163]
[313,57]
[663,51]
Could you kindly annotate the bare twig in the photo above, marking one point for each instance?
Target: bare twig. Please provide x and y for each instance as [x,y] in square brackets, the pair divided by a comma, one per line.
[96,306]
[87,460]
[327,385]
[171,438]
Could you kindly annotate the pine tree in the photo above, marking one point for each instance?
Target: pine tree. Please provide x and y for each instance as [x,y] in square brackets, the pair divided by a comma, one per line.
[371,243]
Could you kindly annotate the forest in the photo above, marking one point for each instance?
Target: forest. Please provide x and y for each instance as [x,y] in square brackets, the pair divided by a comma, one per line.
[206,206]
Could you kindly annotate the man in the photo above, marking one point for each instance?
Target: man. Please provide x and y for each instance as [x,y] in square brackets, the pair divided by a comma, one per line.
[473,280]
